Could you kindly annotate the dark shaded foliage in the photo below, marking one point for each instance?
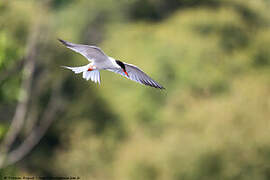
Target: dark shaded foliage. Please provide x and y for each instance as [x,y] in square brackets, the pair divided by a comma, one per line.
[157,10]
[262,58]
[56,4]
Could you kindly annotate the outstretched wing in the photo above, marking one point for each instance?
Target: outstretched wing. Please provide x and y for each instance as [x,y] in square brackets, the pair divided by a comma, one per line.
[136,74]
[92,53]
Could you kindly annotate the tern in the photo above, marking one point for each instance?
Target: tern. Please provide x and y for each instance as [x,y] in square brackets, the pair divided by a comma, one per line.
[100,61]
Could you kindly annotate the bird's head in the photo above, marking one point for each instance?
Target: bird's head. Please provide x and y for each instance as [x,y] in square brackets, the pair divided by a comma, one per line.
[123,67]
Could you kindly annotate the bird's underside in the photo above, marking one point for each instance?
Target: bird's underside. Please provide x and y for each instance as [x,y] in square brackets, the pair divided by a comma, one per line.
[100,61]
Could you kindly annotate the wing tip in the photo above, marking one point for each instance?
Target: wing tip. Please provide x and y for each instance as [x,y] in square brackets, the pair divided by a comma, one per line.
[159,87]
[154,85]
[65,42]
[61,40]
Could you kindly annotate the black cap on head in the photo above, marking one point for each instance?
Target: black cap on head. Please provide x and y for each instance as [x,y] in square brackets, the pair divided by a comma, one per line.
[121,64]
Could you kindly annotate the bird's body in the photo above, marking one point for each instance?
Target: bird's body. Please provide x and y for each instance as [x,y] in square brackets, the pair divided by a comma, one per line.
[100,61]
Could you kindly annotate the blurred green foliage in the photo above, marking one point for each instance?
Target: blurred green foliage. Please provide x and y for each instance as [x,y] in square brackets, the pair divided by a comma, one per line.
[213,57]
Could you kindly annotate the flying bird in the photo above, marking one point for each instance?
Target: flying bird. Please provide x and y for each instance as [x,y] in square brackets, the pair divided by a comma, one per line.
[100,61]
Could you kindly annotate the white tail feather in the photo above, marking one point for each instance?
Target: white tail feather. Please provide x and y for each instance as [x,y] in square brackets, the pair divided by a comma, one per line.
[77,70]
[94,75]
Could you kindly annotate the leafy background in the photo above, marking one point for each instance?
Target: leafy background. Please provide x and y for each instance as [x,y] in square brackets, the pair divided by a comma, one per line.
[211,122]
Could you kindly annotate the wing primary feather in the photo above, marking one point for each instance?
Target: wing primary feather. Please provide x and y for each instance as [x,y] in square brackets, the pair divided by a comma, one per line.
[95,77]
[68,44]
[137,75]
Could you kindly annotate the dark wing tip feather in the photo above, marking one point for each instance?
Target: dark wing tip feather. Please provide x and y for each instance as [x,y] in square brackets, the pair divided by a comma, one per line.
[159,87]
[156,85]
[152,84]
[162,88]
[146,80]
[65,43]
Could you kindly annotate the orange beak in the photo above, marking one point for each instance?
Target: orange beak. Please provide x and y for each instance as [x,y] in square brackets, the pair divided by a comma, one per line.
[126,73]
